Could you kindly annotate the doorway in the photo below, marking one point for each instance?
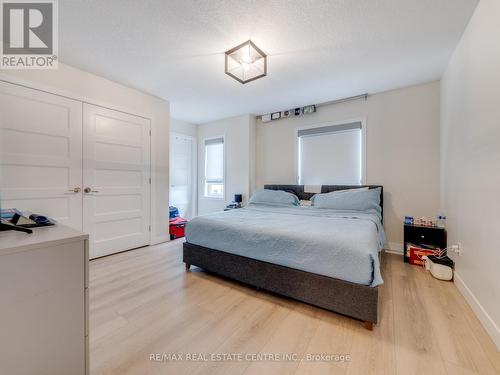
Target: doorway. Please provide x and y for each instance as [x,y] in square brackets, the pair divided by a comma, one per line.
[182,182]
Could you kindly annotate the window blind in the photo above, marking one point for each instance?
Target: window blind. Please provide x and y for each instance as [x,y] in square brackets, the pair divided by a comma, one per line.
[331,155]
[214,160]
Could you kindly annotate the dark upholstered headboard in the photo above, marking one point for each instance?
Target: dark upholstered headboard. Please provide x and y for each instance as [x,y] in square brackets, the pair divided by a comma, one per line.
[298,190]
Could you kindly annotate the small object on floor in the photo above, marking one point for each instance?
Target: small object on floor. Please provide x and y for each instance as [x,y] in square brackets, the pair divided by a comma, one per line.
[177,227]
[416,253]
[440,268]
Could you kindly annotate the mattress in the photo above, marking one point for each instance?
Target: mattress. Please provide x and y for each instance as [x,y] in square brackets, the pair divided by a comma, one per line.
[339,244]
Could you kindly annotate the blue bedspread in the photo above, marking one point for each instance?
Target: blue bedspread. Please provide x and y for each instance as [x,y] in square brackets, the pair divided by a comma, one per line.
[339,244]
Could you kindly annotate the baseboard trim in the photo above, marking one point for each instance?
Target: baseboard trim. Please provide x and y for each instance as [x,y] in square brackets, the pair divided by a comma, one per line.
[159,239]
[485,319]
[394,248]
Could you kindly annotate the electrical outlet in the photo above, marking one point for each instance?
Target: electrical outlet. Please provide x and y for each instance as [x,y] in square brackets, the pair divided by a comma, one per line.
[457,249]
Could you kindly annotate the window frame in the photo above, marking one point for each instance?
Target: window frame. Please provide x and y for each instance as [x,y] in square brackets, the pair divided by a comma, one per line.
[361,120]
[205,190]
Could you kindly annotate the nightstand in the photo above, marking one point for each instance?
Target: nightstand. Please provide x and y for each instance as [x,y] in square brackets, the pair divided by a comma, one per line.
[419,235]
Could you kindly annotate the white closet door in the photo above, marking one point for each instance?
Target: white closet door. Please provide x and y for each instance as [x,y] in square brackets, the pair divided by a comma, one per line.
[41,153]
[181,172]
[116,172]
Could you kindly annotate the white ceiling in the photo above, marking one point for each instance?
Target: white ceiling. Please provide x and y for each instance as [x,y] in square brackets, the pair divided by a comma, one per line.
[319,50]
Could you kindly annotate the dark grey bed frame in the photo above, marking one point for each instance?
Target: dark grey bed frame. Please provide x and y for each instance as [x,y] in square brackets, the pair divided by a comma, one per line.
[354,300]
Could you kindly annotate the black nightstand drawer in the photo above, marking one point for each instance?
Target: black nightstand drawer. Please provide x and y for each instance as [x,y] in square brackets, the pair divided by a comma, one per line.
[424,236]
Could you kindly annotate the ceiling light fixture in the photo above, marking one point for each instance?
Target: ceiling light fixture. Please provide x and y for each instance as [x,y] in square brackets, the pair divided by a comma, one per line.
[246,62]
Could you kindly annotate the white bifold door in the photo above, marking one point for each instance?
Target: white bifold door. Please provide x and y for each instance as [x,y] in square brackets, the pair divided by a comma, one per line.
[181,174]
[116,180]
[85,166]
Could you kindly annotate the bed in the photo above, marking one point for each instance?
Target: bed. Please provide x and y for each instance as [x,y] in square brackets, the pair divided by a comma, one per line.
[328,258]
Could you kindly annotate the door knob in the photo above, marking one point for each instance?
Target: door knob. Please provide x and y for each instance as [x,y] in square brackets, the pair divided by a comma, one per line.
[75,190]
[89,190]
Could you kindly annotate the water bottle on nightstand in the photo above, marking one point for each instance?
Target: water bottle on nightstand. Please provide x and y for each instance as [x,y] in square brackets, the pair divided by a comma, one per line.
[441,221]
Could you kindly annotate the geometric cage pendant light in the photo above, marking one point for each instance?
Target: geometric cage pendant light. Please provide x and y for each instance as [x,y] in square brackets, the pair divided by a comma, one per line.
[246,62]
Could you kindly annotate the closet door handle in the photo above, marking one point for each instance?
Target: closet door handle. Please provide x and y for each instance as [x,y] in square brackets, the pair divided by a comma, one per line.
[89,190]
[75,190]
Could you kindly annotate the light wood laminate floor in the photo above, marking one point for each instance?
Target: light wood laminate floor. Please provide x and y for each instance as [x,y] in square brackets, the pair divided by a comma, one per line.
[144,302]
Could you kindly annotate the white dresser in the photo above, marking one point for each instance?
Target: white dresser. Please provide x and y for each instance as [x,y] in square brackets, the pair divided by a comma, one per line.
[44,302]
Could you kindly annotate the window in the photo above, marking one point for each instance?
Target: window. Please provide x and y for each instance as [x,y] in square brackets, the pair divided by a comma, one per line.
[331,155]
[214,167]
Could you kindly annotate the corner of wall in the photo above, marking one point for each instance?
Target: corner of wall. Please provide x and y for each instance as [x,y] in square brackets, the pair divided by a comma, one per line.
[486,320]
[469,162]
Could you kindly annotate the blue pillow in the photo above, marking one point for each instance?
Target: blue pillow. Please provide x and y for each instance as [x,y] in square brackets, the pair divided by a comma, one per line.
[349,200]
[274,197]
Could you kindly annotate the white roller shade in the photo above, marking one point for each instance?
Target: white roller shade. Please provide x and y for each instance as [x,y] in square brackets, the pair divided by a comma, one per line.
[214,149]
[331,155]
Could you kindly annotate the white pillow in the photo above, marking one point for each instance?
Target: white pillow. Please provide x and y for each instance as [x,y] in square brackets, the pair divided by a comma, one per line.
[351,200]
[274,197]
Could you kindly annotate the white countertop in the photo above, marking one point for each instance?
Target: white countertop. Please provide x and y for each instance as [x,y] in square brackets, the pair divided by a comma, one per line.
[11,241]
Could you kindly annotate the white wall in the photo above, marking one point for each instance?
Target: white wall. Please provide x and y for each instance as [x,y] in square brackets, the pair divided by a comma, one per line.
[239,142]
[402,150]
[470,154]
[183,127]
[80,85]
